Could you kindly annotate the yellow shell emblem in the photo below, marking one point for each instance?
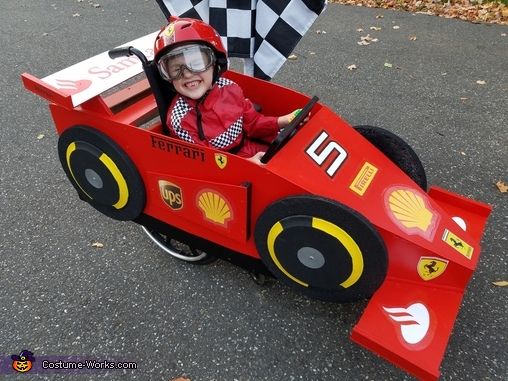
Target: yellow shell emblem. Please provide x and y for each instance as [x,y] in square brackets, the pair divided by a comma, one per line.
[215,208]
[409,211]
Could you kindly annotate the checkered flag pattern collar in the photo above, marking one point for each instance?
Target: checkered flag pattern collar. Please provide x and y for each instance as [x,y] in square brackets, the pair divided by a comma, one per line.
[229,136]
[265,30]
[179,111]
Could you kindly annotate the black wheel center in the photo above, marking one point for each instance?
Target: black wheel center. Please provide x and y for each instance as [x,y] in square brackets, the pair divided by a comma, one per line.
[93,178]
[311,257]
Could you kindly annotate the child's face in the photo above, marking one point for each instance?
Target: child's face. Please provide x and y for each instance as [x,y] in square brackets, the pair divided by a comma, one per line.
[189,68]
[194,85]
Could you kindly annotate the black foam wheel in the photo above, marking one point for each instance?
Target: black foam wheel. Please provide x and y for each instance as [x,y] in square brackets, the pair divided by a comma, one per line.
[322,248]
[102,173]
[397,150]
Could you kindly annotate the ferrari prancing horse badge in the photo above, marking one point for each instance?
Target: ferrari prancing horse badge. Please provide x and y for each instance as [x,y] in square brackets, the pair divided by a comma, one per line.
[431,267]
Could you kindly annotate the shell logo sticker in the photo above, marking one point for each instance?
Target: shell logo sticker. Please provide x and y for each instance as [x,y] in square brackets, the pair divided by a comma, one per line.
[171,194]
[458,244]
[408,209]
[221,160]
[431,267]
[413,322]
[215,208]
[363,179]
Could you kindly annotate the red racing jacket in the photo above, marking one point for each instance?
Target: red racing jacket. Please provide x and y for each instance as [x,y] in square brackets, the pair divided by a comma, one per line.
[229,121]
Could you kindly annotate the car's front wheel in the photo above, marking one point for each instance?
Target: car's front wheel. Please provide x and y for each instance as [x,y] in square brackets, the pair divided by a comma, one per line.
[321,248]
[397,150]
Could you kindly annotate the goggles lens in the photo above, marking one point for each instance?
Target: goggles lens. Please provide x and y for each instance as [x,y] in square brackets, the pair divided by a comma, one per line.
[194,58]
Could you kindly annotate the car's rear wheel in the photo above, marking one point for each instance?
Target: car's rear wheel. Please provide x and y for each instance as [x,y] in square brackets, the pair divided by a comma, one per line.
[102,173]
[322,248]
[178,249]
[397,150]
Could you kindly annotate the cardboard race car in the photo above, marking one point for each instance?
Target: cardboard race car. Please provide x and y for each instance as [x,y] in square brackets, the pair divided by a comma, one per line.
[338,213]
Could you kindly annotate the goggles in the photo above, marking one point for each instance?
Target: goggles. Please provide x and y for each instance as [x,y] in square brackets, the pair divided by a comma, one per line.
[195,58]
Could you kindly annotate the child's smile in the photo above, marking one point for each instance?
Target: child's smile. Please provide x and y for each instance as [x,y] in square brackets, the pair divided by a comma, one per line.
[194,85]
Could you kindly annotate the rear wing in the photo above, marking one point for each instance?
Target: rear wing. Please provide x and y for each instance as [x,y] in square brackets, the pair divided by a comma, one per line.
[83,81]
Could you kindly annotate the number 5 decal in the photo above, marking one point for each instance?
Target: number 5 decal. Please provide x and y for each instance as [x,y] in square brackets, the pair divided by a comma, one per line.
[332,148]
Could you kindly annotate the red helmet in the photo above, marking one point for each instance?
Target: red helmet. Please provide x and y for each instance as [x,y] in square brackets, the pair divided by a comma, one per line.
[181,31]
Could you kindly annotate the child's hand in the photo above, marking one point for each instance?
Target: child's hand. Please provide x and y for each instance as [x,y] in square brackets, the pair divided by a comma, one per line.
[284,120]
[256,159]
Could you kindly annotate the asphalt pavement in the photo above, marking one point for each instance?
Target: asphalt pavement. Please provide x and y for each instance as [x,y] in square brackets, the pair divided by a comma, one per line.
[60,296]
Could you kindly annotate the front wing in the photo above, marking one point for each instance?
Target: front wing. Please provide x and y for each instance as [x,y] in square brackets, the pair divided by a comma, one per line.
[409,323]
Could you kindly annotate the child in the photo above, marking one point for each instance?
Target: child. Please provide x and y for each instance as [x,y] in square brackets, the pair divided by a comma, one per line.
[208,109]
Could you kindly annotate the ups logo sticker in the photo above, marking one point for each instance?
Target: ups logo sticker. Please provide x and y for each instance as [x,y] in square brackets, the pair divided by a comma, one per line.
[171,194]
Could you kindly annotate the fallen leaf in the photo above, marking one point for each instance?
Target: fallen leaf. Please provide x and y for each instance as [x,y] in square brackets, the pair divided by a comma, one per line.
[501,283]
[98,245]
[396,27]
[352,67]
[293,57]
[40,136]
[502,186]
[366,40]
[387,64]
[480,82]
[375,28]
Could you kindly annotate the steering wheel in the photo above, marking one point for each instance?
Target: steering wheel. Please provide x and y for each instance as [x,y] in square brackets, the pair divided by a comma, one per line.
[288,132]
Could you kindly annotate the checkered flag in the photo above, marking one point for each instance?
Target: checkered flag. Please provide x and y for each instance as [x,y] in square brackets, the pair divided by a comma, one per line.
[265,30]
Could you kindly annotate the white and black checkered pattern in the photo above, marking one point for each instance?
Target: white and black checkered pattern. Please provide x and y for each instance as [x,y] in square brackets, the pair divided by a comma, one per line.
[265,30]
[229,136]
[221,82]
[179,111]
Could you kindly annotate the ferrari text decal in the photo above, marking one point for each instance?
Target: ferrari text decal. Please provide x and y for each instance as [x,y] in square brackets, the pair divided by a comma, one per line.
[215,207]
[171,194]
[409,210]
[332,149]
[177,148]
[431,267]
[458,244]
[413,322]
[363,179]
